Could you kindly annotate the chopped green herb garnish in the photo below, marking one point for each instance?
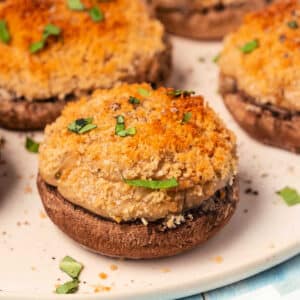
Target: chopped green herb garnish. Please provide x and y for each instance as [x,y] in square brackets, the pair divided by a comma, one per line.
[290,196]
[216,58]
[250,46]
[153,184]
[69,287]
[4,33]
[96,14]
[293,24]
[71,266]
[81,126]
[144,92]
[37,46]
[31,145]
[133,100]
[120,128]
[75,5]
[49,30]
[127,132]
[186,117]
[179,93]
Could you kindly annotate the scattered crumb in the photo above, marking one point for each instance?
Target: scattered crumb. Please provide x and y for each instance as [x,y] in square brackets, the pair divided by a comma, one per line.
[165,270]
[264,175]
[248,181]
[53,258]
[4,232]
[113,267]
[103,275]
[43,215]
[201,59]
[245,211]
[101,288]
[26,223]
[27,189]
[32,176]
[218,259]
[19,223]
[250,191]
[33,268]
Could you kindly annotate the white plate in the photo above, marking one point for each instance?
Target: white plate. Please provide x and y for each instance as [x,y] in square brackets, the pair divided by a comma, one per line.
[263,232]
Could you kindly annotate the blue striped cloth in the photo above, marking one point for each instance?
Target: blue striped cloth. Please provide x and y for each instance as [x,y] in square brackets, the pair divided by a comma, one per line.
[281,282]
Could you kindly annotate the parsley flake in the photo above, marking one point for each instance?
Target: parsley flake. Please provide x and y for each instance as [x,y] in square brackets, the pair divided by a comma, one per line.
[143,92]
[250,46]
[289,195]
[96,14]
[49,30]
[180,93]
[75,5]
[216,58]
[69,287]
[120,129]
[81,126]
[71,267]
[153,184]
[293,24]
[31,145]
[4,33]
[186,117]
[133,100]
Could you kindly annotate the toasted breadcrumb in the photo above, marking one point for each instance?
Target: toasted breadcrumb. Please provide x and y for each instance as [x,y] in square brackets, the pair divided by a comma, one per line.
[85,56]
[270,73]
[200,154]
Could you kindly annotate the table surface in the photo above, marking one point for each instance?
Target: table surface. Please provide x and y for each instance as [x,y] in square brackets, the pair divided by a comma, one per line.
[280,282]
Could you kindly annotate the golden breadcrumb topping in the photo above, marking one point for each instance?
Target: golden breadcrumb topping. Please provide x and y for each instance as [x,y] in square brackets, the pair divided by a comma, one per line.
[88,169]
[270,73]
[86,55]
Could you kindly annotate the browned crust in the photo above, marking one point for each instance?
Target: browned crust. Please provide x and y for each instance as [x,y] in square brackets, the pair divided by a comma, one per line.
[135,240]
[211,24]
[266,123]
[20,114]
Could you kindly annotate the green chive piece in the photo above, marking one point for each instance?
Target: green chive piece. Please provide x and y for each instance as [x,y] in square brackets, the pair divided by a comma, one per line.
[71,267]
[289,195]
[96,14]
[179,93]
[153,184]
[186,117]
[144,92]
[250,46]
[51,29]
[81,126]
[4,33]
[31,145]
[37,46]
[120,128]
[69,287]
[216,58]
[75,5]
[133,100]
[127,132]
[293,24]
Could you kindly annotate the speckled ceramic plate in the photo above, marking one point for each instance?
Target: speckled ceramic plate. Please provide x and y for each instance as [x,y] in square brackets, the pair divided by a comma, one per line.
[263,232]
